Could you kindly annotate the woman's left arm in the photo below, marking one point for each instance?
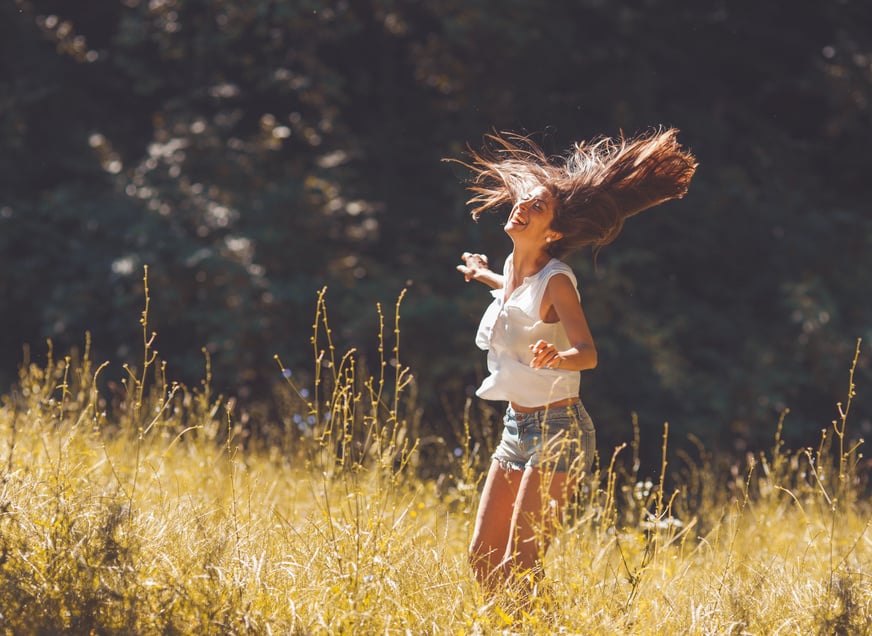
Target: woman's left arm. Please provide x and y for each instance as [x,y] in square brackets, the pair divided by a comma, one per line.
[563,304]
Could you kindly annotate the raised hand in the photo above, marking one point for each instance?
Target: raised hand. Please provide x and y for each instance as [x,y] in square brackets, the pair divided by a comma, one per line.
[474,266]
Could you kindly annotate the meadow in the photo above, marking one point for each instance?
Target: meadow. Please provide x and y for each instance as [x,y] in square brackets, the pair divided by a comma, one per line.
[146,508]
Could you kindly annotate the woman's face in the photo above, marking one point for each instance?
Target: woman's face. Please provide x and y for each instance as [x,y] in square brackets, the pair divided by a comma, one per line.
[531,216]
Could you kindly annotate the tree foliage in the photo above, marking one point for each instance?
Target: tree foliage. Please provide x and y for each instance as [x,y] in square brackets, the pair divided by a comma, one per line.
[251,153]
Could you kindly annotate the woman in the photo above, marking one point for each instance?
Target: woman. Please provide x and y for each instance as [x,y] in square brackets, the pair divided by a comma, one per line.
[535,330]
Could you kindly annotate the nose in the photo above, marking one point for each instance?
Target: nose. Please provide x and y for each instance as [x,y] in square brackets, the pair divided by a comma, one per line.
[521,203]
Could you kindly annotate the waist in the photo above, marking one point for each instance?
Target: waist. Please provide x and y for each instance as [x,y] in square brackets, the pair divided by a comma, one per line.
[517,408]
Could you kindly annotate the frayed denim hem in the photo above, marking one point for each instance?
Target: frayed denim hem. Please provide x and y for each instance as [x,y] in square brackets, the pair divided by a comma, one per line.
[508,465]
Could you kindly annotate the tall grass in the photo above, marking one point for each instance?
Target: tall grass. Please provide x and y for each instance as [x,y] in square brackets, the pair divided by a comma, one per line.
[145,510]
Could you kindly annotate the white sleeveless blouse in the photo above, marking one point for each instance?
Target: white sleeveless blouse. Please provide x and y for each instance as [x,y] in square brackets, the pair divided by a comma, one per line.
[508,328]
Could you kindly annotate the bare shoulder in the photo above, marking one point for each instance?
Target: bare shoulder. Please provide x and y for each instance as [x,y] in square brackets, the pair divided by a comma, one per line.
[561,284]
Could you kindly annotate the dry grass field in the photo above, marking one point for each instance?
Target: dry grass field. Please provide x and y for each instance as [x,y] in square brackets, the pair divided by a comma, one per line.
[149,512]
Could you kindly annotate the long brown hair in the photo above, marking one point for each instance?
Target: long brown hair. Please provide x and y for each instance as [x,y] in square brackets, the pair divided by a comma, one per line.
[596,186]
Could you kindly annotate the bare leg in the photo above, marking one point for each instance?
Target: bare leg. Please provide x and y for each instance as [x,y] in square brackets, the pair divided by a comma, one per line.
[539,505]
[493,523]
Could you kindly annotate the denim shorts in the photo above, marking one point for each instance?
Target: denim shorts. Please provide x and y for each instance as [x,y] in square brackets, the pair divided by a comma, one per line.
[559,438]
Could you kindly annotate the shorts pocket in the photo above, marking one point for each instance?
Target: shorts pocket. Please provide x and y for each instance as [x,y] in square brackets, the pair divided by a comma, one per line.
[530,436]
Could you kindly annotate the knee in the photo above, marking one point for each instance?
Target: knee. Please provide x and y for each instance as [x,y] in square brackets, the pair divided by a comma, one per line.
[482,558]
[476,553]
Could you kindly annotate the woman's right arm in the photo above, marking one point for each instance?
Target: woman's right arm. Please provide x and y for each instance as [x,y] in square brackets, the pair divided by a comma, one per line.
[475,267]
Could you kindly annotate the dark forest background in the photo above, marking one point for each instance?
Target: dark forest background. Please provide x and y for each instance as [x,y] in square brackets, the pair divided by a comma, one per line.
[251,153]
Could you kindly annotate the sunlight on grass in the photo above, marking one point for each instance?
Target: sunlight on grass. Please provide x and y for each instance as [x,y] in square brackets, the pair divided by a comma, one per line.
[147,511]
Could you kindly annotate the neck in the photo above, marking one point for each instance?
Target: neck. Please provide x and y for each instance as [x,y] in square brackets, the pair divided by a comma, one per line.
[526,263]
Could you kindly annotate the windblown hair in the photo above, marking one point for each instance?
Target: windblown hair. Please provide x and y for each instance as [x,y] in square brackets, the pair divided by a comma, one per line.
[596,186]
